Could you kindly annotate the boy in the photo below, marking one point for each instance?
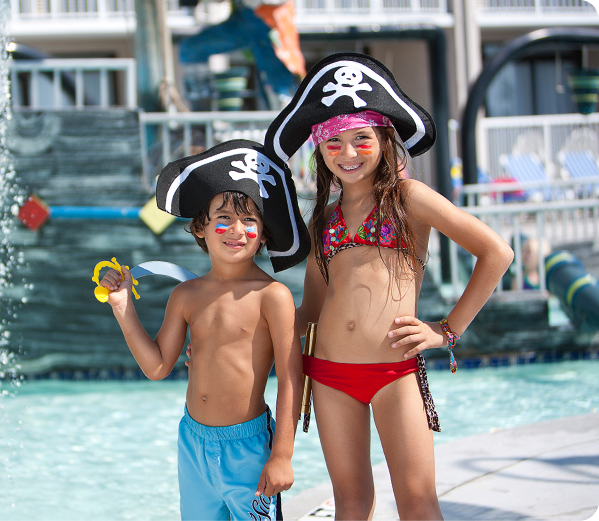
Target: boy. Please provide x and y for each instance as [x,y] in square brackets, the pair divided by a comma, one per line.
[231,465]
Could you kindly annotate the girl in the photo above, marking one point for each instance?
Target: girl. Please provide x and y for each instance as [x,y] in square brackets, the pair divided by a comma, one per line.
[369,249]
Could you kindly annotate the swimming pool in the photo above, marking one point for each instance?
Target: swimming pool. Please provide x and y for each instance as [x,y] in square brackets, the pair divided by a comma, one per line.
[100,450]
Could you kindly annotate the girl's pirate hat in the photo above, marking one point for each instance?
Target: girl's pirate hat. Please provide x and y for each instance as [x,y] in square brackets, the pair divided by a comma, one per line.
[347,83]
[187,185]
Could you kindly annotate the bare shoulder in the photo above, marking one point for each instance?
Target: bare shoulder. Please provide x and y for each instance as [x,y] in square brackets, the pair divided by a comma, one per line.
[423,203]
[277,293]
[190,289]
[416,189]
[277,302]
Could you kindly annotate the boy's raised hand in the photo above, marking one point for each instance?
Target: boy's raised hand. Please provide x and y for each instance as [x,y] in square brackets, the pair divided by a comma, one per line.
[120,290]
[277,475]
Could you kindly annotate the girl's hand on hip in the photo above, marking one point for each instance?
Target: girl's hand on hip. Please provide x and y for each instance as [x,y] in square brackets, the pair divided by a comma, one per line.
[425,335]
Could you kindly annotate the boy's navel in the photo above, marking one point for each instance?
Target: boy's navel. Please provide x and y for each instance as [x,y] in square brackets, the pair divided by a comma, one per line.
[204,398]
[351,325]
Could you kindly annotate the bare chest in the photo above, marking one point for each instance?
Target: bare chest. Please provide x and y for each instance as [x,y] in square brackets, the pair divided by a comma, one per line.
[227,319]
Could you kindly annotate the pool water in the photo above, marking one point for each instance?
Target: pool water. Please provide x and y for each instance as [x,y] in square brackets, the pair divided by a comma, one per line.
[106,450]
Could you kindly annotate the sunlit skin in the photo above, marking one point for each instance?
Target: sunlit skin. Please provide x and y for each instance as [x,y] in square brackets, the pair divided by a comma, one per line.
[239,320]
[367,314]
[352,155]
[236,232]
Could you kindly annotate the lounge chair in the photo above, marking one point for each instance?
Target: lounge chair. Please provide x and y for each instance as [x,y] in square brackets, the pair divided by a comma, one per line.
[527,168]
[581,165]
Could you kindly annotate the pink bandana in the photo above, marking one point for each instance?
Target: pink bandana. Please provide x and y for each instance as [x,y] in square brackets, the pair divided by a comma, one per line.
[337,124]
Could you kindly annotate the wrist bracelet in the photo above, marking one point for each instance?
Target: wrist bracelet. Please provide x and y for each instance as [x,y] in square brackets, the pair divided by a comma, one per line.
[452,338]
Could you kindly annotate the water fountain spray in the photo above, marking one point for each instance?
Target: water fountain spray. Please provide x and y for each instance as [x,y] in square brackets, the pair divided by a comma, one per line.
[10,199]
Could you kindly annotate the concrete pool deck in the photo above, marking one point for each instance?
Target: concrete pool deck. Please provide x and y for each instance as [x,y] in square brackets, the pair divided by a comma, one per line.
[546,470]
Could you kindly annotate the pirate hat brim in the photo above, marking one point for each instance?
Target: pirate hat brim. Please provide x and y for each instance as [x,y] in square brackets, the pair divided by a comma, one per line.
[347,83]
[187,185]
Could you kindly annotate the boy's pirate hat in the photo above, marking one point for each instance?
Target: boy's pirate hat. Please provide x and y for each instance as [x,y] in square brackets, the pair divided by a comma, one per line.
[186,185]
[347,83]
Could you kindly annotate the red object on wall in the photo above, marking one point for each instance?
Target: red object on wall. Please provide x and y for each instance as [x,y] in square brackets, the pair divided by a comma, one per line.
[34,212]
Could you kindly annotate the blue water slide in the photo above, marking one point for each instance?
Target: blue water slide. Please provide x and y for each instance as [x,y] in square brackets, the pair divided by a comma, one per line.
[576,289]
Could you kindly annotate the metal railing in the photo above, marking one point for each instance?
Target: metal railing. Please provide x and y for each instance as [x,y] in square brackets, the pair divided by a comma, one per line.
[372,9]
[546,136]
[485,194]
[538,6]
[557,223]
[379,7]
[364,12]
[165,137]
[43,9]
[40,9]
[67,83]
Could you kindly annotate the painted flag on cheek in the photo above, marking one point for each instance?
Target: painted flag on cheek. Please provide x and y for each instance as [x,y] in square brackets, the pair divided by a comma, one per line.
[221,228]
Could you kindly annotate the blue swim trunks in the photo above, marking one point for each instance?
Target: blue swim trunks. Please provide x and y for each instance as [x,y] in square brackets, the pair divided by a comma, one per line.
[219,469]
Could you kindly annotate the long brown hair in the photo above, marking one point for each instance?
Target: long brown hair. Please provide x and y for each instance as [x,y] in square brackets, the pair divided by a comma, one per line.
[388,192]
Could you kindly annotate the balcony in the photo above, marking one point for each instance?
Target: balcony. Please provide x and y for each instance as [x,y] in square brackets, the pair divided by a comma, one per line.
[331,14]
[114,18]
[535,13]
[84,18]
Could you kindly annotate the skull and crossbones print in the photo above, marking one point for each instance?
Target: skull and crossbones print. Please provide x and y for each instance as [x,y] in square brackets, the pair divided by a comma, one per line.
[349,82]
[254,168]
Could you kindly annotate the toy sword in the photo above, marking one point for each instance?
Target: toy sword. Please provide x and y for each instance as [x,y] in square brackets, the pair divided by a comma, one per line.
[309,345]
[168,269]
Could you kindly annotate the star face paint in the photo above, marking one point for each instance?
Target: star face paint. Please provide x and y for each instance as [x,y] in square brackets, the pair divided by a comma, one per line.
[220,228]
[251,232]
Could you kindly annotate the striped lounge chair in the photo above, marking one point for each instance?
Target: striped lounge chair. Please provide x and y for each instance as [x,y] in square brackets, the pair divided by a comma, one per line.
[580,164]
[527,168]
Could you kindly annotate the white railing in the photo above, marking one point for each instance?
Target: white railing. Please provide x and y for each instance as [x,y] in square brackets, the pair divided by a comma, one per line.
[538,6]
[48,9]
[335,13]
[485,194]
[73,83]
[556,223]
[373,10]
[165,137]
[370,6]
[546,136]
[25,9]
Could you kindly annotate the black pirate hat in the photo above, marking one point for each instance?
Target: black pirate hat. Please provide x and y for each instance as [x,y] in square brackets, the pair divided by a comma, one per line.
[186,185]
[347,83]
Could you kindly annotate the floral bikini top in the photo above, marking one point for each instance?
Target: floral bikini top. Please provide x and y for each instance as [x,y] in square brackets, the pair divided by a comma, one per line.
[335,237]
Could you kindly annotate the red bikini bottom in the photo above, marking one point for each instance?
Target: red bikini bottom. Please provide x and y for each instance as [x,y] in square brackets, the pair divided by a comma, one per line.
[360,381]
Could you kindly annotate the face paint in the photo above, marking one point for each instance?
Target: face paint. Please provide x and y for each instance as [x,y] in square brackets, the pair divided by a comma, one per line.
[221,228]
[364,149]
[334,150]
[251,232]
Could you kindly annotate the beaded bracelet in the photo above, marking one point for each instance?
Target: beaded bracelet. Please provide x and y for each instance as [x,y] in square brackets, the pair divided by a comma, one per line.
[452,338]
